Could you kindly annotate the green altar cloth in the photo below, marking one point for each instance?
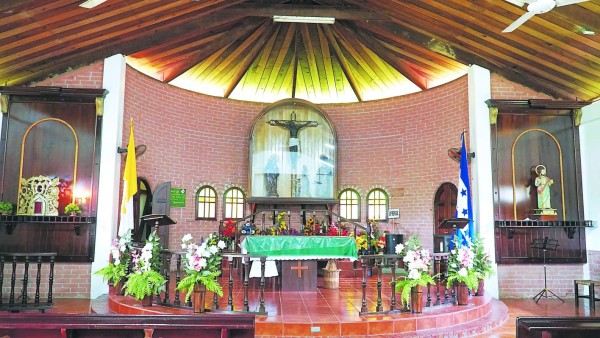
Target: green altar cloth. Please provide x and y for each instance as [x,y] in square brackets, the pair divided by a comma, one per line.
[301,247]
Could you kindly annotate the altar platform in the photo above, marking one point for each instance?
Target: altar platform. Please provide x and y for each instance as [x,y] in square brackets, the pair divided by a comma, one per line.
[335,312]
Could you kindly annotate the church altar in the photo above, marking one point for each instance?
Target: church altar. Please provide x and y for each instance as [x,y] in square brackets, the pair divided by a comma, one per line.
[299,255]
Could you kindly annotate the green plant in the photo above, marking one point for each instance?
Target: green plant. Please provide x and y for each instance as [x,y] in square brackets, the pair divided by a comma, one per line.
[72,208]
[482,264]
[145,278]
[6,207]
[202,265]
[417,261]
[120,258]
[460,266]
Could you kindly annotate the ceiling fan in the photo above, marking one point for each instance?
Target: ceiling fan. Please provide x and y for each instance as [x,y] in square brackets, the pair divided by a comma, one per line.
[536,7]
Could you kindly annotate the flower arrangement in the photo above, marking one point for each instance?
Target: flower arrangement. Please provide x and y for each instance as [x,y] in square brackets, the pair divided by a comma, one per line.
[417,263]
[120,258]
[202,264]
[145,278]
[461,266]
[72,208]
[309,229]
[380,244]
[482,264]
[228,230]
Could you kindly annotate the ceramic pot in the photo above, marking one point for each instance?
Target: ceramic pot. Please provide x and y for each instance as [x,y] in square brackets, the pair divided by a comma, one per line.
[416,299]
[198,297]
[147,301]
[480,288]
[462,294]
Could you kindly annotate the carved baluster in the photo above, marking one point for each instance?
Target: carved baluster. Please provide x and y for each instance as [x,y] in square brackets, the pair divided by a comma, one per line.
[13,280]
[167,274]
[246,269]
[230,296]
[51,279]
[393,262]
[263,260]
[379,263]
[215,295]
[25,281]
[38,279]
[177,300]
[363,308]
[1,277]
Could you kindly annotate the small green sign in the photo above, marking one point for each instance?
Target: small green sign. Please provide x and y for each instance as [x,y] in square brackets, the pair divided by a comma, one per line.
[177,197]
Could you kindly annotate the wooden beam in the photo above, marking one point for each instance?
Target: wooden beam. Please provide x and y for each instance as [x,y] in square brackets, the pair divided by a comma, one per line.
[343,62]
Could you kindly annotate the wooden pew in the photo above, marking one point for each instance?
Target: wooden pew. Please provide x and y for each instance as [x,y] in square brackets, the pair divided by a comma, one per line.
[37,325]
[563,327]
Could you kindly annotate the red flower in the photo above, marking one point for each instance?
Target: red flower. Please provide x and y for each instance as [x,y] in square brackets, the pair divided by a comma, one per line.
[229,229]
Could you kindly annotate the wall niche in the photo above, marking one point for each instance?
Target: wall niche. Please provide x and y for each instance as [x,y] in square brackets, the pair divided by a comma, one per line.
[50,157]
[530,137]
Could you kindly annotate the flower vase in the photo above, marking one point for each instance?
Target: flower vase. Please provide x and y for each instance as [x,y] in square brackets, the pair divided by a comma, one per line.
[480,289]
[462,294]
[147,300]
[118,288]
[198,298]
[416,299]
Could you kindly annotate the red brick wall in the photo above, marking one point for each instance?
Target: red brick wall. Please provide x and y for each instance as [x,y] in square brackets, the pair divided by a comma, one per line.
[399,144]
[594,263]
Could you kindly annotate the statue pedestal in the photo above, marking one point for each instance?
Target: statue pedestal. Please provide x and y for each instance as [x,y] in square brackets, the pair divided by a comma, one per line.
[546,214]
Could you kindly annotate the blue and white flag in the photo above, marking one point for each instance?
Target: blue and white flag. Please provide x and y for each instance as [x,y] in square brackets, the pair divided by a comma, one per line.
[464,207]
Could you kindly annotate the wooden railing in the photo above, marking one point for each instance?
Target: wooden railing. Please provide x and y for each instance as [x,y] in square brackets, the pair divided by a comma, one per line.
[233,259]
[19,267]
[534,327]
[436,294]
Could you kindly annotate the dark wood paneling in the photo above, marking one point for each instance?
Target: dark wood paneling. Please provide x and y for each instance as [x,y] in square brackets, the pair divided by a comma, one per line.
[57,117]
[529,133]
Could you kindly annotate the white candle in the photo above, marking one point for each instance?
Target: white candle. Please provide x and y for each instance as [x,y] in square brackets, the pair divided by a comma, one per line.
[441,246]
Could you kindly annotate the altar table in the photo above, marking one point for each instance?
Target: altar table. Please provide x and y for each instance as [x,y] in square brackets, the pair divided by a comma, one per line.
[299,253]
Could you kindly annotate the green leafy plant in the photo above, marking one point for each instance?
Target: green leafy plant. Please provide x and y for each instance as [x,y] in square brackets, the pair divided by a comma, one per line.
[417,261]
[120,258]
[461,266]
[202,265]
[145,278]
[72,208]
[482,264]
[6,207]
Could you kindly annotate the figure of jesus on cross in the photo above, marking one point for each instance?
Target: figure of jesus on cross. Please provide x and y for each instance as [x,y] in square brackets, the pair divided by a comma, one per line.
[294,127]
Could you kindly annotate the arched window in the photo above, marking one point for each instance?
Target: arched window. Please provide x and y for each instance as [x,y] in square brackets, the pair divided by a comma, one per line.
[206,202]
[444,206]
[350,204]
[377,205]
[234,203]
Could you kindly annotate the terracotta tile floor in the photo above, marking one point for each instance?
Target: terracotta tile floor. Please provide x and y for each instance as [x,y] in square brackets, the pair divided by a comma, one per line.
[298,309]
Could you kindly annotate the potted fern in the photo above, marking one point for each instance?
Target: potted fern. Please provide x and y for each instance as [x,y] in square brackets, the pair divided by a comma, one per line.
[72,209]
[461,271]
[145,280]
[417,262]
[120,258]
[202,267]
[6,208]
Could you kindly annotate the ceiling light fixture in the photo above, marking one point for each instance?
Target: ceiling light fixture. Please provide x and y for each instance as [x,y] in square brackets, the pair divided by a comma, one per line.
[584,31]
[304,19]
[91,3]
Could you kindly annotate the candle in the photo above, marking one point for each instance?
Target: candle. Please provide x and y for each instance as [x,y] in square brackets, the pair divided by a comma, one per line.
[441,246]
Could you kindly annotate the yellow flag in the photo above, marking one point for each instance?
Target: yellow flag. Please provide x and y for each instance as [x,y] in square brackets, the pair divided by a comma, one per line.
[129,186]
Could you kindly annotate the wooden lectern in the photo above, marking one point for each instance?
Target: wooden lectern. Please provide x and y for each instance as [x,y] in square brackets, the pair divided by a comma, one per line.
[454,223]
[157,220]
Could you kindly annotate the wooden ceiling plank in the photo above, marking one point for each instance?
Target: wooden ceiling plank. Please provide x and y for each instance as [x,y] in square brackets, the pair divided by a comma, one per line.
[288,41]
[390,58]
[525,46]
[493,66]
[196,57]
[248,60]
[415,32]
[343,62]
[327,62]
[105,35]
[260,66]
[310,58]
